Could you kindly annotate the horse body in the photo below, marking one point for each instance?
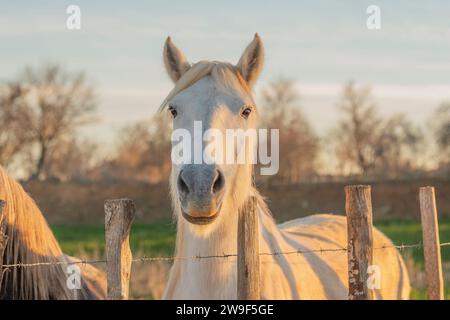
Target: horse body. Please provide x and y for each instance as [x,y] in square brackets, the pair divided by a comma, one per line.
[30,241]
[310,275]
[207,197]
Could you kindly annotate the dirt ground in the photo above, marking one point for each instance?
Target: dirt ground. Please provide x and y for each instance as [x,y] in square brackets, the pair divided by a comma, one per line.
[83,202]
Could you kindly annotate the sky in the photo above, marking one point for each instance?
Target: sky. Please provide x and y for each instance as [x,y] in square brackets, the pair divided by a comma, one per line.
[318,44]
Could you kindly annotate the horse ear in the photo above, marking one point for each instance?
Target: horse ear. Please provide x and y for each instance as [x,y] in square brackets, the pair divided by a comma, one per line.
[174,60]
[252,60]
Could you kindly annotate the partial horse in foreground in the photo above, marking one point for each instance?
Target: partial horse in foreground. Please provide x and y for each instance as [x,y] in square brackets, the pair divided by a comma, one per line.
[30,241]
[208,196]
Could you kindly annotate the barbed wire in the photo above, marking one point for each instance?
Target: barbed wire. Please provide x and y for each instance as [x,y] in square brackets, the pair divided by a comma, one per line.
[220,256]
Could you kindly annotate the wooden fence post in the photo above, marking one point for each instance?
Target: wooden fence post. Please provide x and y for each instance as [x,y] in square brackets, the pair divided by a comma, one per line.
[431,244]
[119,215]
[358,206]
[248,273]
[3,239]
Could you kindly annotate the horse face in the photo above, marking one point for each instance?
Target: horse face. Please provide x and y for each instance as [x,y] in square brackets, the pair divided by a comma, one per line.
[216,157]
[214,120]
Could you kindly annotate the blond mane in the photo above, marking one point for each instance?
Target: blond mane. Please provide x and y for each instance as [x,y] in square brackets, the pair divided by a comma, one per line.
[224,74]
[30,240]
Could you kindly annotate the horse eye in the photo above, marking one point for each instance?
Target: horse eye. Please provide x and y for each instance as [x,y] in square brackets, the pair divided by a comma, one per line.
[246,112]
[173,111]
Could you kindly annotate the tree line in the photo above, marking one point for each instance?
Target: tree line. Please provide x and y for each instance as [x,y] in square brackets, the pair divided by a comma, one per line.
[42,110]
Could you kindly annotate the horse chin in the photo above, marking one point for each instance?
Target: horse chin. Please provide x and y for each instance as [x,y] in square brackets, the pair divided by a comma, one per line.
[201,221]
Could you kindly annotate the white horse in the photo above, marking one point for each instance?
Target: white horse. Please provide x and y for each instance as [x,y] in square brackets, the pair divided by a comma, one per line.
[207,197]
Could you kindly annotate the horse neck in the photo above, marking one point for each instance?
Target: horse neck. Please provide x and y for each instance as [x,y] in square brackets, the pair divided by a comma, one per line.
[223,239]
[202,277]
[218,241]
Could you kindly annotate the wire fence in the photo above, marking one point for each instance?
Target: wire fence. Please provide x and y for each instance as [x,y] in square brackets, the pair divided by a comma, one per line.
[119,215]
[401,247]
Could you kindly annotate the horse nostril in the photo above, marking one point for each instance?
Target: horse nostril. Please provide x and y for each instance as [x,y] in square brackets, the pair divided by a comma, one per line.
[219,182]
[182,185]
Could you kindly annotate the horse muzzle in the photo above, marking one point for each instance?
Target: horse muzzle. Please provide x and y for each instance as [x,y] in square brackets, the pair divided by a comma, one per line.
[200,190]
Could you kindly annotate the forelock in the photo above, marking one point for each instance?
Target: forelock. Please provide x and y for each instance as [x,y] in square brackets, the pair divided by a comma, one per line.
[224,74]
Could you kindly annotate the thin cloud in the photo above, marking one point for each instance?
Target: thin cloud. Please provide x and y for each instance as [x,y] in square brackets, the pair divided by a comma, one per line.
[436,92]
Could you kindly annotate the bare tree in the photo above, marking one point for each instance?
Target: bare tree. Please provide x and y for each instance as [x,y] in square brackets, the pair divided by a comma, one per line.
[397,147]
[14,122]
[58,104]
[356,133]
[299,145]
[370,144]
[143,151]
[73,159]
[441,121]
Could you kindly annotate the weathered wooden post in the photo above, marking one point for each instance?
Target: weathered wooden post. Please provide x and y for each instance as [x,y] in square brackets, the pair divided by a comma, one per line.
[248,275]
[431,244]
[119,215]
[3,239]
[358,206]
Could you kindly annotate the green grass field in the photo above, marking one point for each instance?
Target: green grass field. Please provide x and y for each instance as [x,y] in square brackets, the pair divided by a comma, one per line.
[158,239]
[149,239]
[408,231]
